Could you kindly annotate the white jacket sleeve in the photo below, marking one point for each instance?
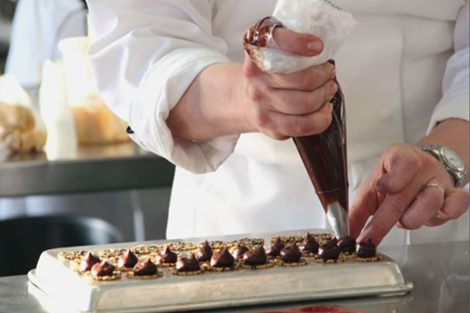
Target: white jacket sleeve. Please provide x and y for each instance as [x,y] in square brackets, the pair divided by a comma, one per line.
[455,100]
[145,54]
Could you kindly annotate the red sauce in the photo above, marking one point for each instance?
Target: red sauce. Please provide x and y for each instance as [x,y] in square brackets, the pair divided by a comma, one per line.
[315,309]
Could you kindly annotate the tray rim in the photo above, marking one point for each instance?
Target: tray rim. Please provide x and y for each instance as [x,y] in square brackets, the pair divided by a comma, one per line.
[389,291]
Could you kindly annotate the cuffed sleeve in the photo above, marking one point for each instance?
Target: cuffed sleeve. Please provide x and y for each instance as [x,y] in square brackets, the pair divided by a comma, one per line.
[455,99]
[145,55]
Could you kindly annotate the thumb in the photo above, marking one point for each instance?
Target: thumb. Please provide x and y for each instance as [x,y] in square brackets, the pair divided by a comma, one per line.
[297,43]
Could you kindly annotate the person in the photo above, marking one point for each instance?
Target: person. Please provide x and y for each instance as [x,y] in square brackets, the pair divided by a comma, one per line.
[37,28]
[177,73]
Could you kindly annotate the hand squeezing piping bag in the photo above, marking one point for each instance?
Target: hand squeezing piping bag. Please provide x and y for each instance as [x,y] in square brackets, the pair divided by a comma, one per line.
[324,155]
[325,158]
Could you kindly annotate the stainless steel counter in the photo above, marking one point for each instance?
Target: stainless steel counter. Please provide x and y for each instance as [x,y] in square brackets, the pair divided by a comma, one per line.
[83,169]
[440,273]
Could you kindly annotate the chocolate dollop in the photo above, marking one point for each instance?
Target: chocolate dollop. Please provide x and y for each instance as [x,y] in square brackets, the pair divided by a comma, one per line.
[257,256]
[188,264]
[333,242]
[205,252]
[276,248]
[239,251]
[88,261]
[291,254]
[222,259]
[167,256]
[329,251]
[128,259]
[309,244]
[366,249]
[145,268]
[102,269]
[347,245]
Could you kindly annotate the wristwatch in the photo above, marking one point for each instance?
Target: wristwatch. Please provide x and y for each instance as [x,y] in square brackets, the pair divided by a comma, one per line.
[449,158]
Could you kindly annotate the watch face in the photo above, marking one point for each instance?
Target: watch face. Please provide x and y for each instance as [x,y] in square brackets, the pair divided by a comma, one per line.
[452,158]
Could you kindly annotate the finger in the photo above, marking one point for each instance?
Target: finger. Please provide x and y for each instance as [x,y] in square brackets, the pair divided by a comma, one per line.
[297,43]
[400,168]
[435,221]
[306,80]
[302,125]
[424,207]
[251,70]
[302,102]
[364,205]
[456,203]
[389,213]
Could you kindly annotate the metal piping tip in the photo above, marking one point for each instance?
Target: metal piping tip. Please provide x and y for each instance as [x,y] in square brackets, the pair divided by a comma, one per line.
[339,220]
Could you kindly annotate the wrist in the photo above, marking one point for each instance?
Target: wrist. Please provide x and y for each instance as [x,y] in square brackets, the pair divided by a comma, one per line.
[449,159]
[432,162]
[213,106]
[242,106]
[453,133]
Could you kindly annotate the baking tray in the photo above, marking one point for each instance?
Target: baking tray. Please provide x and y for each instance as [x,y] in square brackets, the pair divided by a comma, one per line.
[59,285]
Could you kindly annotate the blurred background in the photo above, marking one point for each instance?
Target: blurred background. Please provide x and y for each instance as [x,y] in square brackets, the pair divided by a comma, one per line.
[67,166]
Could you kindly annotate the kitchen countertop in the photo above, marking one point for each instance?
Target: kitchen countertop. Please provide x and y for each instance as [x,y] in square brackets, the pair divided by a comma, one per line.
[83,169]
[440,274]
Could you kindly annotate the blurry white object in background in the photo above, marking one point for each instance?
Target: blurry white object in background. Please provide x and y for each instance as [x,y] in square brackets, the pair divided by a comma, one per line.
[81,84]
[94,121]
[11,92]
[56,113]
[36,25]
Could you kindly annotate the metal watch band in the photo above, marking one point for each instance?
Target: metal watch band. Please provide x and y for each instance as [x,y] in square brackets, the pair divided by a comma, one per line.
[436,151]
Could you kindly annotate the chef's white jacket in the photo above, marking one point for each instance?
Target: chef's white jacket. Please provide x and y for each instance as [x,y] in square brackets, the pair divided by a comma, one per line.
[403,69]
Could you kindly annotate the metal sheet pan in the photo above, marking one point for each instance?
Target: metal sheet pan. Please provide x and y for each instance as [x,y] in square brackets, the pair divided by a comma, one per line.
[60,285]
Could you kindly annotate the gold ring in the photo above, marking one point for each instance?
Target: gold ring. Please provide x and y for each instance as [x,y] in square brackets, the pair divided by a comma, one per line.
[434,185]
